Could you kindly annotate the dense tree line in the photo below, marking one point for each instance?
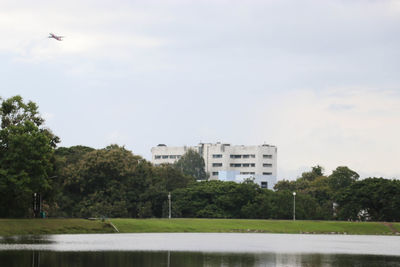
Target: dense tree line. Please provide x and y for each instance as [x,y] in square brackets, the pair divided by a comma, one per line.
[113,182]
[80,181]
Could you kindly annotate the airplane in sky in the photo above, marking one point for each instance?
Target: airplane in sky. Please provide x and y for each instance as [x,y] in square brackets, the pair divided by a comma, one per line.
[58,38]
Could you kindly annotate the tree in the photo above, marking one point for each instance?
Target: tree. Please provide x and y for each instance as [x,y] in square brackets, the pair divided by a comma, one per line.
[105,182]
[315,172]
[342,177]
[26,155]
[376,199]
[192,163]
[163,179]
[69,155]
[285,185]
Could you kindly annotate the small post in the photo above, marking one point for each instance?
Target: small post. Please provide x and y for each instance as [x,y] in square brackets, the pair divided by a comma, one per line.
[37,205]
[294,206]
[169,205]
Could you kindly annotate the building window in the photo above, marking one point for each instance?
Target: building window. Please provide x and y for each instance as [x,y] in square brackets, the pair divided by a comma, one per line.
[252,156]
[217,165]
[246,165]
[246,156]
[172,157]
[267,165]
[247,173]
[215,173]
[264,184]
[236,156]
[165,156]
[252,164]
[217,156]
[267,156]
[236,165]
[178,156]
[267,173]
[157,157]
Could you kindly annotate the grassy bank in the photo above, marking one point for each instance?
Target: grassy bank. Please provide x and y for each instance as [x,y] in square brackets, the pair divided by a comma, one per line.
[75,226]
[259,226]
[52,226]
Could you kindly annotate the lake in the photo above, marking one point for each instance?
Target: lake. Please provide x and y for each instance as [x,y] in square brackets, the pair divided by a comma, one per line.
[200,249]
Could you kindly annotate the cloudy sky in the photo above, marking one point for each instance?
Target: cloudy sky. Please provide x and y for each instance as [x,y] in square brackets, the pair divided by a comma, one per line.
[318,79]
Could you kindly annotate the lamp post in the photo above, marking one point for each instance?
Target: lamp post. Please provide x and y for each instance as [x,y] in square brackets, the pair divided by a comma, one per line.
[294,206]
[169,205]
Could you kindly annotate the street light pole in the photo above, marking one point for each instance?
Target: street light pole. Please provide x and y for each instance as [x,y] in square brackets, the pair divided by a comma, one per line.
[294,206]
[169,205]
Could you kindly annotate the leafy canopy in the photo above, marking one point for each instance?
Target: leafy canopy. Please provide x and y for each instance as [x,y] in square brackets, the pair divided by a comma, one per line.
[26,152]
[192,163]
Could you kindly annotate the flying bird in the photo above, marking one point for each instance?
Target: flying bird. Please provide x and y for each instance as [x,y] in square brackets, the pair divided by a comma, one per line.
[58,38]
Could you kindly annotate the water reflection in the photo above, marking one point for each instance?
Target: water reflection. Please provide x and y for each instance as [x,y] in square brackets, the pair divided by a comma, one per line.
[178,259]
[210,243]
[26,240]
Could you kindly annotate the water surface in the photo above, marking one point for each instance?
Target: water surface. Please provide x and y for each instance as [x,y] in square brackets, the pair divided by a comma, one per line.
[210,242]
[199,249]
[180,259]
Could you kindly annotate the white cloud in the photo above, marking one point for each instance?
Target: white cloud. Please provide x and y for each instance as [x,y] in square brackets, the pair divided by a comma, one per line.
[92,32]
[353,127]
[216,62]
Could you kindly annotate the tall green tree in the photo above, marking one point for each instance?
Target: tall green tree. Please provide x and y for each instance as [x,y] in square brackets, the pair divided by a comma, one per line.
[192,163]
[376,199]
[315,172]
[26,156]
[105,182]
[285,185]
[342,177]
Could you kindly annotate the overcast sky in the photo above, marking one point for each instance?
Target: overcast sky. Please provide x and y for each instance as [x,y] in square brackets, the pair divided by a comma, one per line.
[318,79]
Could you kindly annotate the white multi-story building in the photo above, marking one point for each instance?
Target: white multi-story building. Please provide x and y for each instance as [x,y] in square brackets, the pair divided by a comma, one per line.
[228,163]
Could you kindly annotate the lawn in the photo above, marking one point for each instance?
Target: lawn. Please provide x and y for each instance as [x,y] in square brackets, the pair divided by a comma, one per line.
[52,226]
[75,226]
[260,226]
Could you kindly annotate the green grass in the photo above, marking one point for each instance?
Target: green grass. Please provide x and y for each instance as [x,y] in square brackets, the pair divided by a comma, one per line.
[51,226]
[241,226]
[397,226]
[74,226]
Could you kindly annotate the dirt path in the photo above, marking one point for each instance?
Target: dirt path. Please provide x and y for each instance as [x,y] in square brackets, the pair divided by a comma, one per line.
[391,227]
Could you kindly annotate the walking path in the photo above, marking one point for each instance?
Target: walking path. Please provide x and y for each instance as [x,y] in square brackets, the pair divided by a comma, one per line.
[391,227]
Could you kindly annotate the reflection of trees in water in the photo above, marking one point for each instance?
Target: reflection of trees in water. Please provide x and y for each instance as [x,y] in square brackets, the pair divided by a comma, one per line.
[180,259]
[212,259]
[35,259]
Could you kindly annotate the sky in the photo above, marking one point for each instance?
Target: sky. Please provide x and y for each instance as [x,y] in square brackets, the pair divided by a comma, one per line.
[318,79]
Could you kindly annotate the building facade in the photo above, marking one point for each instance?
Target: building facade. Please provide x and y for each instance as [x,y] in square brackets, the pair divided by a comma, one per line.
[227,162]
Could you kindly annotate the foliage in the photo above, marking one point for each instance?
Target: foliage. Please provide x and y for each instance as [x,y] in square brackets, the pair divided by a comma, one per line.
[192,163]
[98,184]
[342,177]
[80,181]
[113,182]
[70,155]
[26,157]
[100,189]
[374,199]
[315,172]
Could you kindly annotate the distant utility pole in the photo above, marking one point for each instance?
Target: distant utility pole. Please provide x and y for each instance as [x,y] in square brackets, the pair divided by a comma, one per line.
[294,206]
[169,205]
[37,205]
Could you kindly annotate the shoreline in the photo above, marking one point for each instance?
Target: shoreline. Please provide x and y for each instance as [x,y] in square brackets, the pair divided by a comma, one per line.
[12,227]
